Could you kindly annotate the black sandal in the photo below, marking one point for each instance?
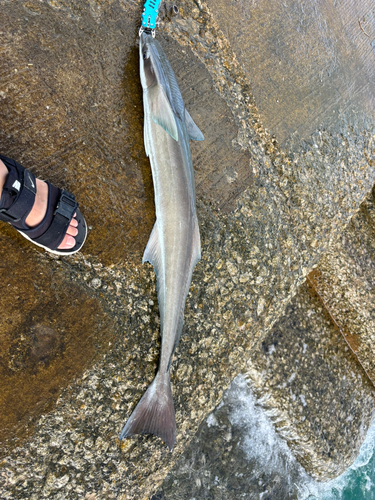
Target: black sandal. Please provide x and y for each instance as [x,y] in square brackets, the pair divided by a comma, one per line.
[17,200]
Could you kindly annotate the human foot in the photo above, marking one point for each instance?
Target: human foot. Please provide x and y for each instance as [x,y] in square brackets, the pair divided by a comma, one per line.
[41,212]
[38,213]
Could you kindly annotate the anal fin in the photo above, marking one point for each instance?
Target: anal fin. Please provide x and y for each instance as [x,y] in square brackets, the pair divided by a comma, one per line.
[196,256]
[153,255]
[152,250]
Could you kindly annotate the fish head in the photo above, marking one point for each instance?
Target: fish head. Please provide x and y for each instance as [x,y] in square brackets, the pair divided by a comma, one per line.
[148,58]
[155,69]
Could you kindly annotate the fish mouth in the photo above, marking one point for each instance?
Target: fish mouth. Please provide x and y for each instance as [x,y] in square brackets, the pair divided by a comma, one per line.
[146,42]
[142,39]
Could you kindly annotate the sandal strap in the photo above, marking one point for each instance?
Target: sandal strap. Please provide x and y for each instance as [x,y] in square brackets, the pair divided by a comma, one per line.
[62,216]
[21,184]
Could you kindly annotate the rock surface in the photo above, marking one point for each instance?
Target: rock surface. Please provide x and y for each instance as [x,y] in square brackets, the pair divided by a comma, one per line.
[269,204]
[344,281]
[306,63]
[50,329]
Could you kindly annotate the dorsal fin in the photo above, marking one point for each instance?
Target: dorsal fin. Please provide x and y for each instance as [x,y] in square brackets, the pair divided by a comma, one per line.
[194,133]
[161,110]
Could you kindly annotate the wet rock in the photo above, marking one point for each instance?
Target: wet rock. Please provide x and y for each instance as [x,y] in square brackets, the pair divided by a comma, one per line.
[320,398]
[72,111]
[303,52]
[344,281]
[50,329]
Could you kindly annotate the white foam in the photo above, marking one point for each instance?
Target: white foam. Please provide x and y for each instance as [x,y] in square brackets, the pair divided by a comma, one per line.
[211,420]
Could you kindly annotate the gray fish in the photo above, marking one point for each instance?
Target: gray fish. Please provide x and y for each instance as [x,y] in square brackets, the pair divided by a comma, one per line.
[174,245]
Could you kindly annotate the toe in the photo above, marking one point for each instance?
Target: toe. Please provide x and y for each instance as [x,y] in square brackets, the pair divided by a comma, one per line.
[69,239]
[73,231]
[67,243]
[74,222]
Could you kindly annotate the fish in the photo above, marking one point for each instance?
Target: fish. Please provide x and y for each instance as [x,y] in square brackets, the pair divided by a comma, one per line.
[174,246]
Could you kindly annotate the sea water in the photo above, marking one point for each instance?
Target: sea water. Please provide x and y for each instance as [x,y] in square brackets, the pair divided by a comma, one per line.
[263,446]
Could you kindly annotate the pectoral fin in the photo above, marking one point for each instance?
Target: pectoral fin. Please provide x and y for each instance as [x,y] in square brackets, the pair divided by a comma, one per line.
[161,111]
[194,133]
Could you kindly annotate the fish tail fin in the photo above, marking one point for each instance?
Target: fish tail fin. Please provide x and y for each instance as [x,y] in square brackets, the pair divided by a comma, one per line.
[154,414]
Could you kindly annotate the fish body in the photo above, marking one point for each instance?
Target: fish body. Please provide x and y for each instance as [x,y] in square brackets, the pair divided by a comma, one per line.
[174,245]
